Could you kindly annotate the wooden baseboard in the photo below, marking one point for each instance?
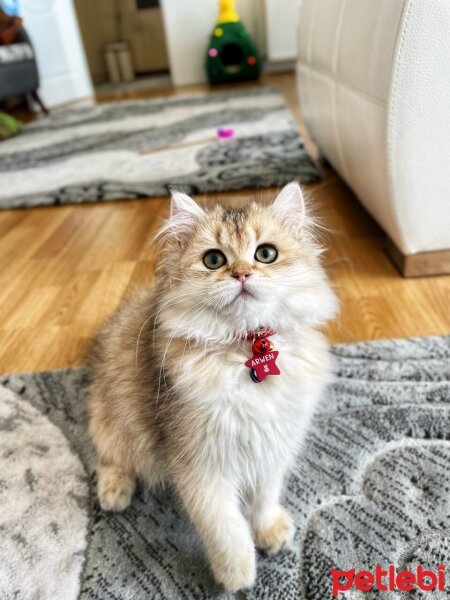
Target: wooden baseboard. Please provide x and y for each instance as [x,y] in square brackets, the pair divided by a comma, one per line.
[421,264]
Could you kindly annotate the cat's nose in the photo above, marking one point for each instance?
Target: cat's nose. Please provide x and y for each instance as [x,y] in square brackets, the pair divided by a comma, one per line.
[241,271]
[242,278]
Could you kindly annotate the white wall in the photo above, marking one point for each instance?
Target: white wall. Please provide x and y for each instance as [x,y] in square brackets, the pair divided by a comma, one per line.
[53,29]
[282,23]
[189,24]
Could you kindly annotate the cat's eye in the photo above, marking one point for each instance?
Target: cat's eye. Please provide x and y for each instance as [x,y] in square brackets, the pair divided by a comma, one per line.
[266,254]
[214,259]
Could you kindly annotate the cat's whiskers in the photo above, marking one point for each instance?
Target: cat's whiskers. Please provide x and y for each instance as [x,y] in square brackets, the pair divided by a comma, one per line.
[183,280]
[162,369]
[214,312]
[173,333]
[216,305]
[197,314]
[153,315]
[162,366]
[170,303]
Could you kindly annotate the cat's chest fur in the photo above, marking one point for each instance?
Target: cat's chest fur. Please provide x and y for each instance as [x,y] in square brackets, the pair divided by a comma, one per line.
[243,426]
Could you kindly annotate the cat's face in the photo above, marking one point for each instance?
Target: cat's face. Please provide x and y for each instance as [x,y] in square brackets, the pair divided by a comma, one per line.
[233,270]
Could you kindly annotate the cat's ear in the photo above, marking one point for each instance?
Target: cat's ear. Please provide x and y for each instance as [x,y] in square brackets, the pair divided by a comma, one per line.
[185,213]
[289,206]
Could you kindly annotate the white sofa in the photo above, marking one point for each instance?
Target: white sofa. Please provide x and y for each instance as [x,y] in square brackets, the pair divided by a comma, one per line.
[374,86]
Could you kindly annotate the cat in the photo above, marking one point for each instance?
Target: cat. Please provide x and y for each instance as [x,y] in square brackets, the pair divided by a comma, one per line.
[171,396]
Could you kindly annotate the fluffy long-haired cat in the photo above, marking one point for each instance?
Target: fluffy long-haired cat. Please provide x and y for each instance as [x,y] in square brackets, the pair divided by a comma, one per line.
[171,395]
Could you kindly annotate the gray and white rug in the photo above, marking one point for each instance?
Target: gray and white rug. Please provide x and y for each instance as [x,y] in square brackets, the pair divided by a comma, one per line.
[138,148]
[372,487]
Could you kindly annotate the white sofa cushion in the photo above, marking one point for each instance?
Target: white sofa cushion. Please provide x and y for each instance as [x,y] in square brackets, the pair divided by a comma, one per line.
[374,85]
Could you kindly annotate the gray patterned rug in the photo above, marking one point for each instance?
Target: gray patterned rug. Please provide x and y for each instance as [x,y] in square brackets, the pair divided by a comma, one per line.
[372,487]
[138,148]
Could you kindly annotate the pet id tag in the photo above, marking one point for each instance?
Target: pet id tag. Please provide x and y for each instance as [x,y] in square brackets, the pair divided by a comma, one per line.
[263,361]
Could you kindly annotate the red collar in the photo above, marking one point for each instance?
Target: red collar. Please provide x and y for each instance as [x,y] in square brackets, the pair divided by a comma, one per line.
[258,334]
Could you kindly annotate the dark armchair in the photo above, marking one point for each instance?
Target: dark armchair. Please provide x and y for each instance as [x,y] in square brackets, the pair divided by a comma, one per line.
[18,69]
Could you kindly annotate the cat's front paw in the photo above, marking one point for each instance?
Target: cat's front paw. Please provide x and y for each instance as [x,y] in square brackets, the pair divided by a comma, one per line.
[236,571]
[115,488]
[276,534]
[115,498]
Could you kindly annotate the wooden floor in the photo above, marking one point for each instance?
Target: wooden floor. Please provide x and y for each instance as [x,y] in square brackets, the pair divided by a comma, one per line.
[63,269]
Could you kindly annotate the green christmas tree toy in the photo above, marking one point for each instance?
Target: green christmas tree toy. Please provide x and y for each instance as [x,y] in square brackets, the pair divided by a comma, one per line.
[232,56]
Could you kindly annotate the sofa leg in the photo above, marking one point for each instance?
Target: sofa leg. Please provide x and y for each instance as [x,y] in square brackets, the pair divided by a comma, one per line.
[38,100]
[421,264]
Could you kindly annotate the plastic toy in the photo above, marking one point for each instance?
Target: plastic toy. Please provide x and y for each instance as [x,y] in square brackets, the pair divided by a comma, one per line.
[232,55]
[225,132]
